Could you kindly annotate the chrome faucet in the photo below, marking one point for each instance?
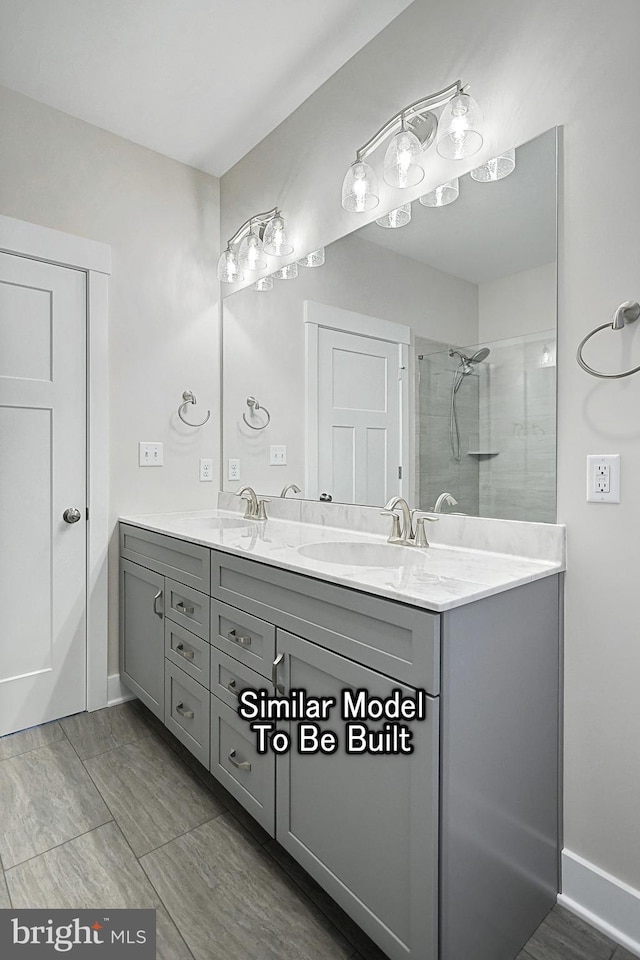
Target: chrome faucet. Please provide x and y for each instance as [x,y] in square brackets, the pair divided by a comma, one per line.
[405,534]
[292,487]
[442,499]
[255,505]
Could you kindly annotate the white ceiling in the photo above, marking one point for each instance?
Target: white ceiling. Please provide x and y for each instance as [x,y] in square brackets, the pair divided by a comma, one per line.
[202,81]
[493,229]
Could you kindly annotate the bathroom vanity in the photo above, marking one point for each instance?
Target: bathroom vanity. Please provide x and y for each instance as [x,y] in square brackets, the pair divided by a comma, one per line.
[448,852]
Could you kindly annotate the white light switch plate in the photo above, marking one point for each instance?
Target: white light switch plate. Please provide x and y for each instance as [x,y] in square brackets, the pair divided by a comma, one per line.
[278,455]
[603,478]
[150,454]
[206,471]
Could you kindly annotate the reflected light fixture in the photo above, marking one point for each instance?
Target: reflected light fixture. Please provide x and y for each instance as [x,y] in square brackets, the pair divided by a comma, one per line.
[313,259]
[399,217]
[288,272]
[496,169]
[457,134]
[444,194]
[260,234]
[264,284]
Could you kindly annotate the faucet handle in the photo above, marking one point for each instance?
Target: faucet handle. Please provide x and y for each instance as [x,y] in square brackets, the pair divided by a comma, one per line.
[261,513]
[421,533]
[395,525]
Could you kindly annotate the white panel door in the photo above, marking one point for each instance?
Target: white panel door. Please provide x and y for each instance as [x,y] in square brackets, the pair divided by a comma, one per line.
[359,417]
[42,473]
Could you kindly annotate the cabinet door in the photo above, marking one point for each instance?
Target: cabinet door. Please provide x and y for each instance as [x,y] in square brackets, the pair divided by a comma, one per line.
[364,826]
[142,634]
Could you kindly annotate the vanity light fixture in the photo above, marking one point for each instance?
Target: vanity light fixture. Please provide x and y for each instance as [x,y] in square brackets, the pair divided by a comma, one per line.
[413,130]
[444,194]
[496,169]
[313,259]
[264,284]
[399,217]
[261,234]
[288,272]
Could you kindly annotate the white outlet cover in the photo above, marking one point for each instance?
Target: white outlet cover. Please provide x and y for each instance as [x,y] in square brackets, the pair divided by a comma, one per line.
[233,469]
[206,470]
[278,455]
[611,460]
[150,454]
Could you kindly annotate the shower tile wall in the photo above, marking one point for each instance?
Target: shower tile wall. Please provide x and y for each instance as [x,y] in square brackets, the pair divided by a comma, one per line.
[517,419]
[437,470]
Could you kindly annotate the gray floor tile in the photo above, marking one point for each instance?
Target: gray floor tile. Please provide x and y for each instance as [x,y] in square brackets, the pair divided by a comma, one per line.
[152,795]
[230,901]
[622,954]
[16,743]
[563,936]
[94,733]
[95,870]
[46,798]
[366,948]
[4,892]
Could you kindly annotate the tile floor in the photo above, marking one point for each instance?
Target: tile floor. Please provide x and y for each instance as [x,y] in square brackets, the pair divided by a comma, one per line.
[108,809]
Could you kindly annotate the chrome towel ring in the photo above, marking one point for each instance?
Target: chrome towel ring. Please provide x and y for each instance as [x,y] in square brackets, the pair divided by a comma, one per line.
[627,312]
[189,397]
[253,405]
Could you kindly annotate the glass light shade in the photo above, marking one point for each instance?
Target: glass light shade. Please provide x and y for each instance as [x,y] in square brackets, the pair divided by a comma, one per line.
[360,188]
[496,169]
[400,167]
[275,241]
[250,254]
[442,195]
[228,268]
[313,259]
[286,273]
[264,284]
[460,128]
[396,218]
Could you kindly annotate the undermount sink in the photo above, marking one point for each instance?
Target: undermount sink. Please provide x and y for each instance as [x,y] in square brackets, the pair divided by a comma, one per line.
[214,523]
[361,554]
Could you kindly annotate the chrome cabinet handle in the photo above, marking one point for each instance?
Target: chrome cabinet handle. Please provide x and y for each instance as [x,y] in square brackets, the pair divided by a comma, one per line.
[187,654]
[231,687]
[274,673]
[71,515]
[189,714]
[243,641]
[184,609]
[240,764]
[157,597]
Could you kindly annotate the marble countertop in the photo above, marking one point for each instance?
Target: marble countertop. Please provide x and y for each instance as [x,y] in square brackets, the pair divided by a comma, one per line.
[437,578]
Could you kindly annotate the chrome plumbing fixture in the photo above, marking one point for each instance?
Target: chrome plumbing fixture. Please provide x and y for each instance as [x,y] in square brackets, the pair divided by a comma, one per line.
[255,505]
[445,498]
[404,534]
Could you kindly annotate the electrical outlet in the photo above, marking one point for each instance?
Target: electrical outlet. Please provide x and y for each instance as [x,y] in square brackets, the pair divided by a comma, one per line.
[278,455]
[150,454]
[233,470]
[206,471]
[603,478]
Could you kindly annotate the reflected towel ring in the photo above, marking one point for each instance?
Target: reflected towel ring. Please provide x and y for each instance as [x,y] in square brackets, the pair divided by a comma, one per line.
[189,397]
[253,405]
[627,312]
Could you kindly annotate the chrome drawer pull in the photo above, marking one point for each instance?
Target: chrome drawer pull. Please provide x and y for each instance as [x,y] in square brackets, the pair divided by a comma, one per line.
[189,714]
[187,654]
[157,612]
[240,764]
[274,673]
[243,641]
[231,687]
[189,611]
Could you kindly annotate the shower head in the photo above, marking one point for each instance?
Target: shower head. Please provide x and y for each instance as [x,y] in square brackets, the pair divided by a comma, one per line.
[466,361]
[480,355]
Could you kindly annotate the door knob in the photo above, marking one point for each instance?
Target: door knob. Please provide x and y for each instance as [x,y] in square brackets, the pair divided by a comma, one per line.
[71,515]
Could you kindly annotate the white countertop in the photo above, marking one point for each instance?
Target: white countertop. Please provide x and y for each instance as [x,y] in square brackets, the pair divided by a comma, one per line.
[437,578]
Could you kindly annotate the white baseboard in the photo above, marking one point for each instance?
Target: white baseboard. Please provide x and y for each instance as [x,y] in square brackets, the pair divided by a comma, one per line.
[608,904]
[116,690]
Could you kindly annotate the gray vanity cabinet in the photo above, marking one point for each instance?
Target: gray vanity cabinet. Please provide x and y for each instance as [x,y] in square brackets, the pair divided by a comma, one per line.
[142,634]
[364,826]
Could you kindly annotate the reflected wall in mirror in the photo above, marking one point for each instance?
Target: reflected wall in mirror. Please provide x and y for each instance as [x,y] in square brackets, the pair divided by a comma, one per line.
[416,361]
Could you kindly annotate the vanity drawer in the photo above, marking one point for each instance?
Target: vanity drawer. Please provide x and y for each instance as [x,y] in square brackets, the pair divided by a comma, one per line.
[186,711]
[393,638]
[229,678]
[243,637]
[188,607]
[185,650]
[236,763]
[183,561]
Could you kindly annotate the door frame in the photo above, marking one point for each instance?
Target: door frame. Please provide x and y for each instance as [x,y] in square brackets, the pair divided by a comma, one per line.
[318,315]
[29,240]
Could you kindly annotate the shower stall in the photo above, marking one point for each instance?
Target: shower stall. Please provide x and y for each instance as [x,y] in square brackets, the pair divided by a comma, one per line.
[486,427]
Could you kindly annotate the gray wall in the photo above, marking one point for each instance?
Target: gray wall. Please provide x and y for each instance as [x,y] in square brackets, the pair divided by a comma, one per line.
[161,219]
[532,65]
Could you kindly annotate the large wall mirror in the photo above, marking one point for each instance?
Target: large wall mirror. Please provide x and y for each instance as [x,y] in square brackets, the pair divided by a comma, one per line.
[416,361]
